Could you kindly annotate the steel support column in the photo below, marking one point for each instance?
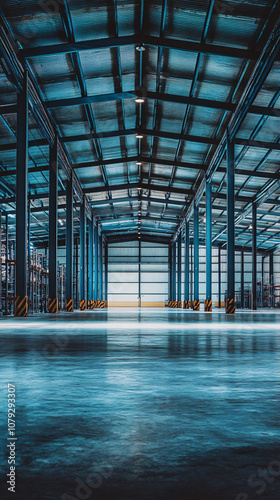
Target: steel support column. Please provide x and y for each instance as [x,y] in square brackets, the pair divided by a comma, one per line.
[139,273]
[219,277]
[174,272]
[262,287]
[170,273]
[254,256]
[21,302]
[271,280]
[1,305]
[106,273]
[230,300]
[82,257]
[53,202]
[191,275]
[77,273]
[242,280]
[196,303]
[179,271]
[90,264]
[208,301]
[101,267]
[6,265]
[95,289]
[187,266]
[69,247]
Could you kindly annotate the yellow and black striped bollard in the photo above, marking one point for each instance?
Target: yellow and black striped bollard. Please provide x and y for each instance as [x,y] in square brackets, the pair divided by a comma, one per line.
[196,305]
[230,306]
[69,304]
[53,306]
[21,306]
[186,304]
[208,305]
[82,305]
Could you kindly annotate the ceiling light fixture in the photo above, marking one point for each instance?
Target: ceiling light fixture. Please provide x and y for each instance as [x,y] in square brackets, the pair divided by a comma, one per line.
[139,100]
[138,163]
[139,136]
[140,47]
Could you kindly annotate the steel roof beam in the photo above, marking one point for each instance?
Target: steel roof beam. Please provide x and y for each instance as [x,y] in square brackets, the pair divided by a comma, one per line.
[118,238]
[155,133]
[168,43]
[144,186]
[142,218]
[147,159]
[138,199]
[159,96]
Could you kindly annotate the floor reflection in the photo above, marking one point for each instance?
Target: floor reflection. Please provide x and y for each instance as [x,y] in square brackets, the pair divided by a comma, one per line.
[175,406]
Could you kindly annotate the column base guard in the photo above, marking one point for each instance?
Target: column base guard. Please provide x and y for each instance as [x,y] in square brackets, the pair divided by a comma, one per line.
[208,305]
[100,304]
[82,305]
[230,306]
[21,306]
[69,305]
[196,305]
[53,306]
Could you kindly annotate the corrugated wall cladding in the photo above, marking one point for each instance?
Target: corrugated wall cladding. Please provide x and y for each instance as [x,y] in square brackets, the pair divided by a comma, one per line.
[123,277]
[123,272]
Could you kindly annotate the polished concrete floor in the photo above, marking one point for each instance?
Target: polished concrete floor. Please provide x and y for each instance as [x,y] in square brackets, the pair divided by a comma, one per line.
[143,404]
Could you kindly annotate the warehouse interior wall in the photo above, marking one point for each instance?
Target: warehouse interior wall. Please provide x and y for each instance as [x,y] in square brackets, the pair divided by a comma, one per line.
[124,274]
[123,277]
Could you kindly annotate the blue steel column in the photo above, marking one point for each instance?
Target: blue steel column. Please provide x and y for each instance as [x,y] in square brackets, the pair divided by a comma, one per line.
[69,247]
[170,274]
[96,237]
[208,301]
[271,280]
[139,274]
[219,277]
[179,271]
[90,263]
[53,202]
[196,303]
[106,274]
[82,257]
[187,266]
[230,302]
[254,256]
[174,272]
[77,272]
[101,267]
[242,280]
[21,302]
[191,276]
[6,265]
